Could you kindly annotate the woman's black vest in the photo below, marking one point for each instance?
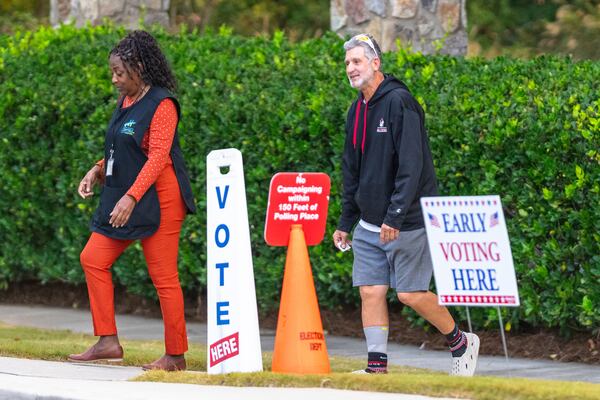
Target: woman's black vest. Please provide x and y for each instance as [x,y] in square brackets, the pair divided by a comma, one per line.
[124,136]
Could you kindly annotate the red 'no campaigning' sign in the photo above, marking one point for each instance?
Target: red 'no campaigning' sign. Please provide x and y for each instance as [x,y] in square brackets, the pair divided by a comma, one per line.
[297,198]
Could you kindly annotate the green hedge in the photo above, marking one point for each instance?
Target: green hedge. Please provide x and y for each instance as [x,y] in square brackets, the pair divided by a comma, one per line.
[527,130]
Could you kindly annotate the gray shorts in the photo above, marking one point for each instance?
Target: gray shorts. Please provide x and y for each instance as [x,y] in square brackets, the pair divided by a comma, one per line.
[404,264]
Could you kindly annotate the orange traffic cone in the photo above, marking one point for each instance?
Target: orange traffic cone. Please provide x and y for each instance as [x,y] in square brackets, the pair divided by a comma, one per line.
[299,342]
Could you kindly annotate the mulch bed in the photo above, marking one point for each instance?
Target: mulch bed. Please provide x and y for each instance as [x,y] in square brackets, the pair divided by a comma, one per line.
[538,344]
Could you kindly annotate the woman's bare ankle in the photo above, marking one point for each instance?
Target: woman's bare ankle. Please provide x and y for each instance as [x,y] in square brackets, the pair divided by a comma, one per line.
[108,341]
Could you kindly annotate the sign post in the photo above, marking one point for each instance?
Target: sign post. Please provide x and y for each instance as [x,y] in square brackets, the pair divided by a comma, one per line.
[232,316]
[470,250]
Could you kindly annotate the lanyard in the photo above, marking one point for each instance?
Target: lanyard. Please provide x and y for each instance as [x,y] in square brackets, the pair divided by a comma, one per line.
[113,134]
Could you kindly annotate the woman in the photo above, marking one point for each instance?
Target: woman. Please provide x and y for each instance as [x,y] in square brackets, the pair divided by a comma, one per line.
[146,195]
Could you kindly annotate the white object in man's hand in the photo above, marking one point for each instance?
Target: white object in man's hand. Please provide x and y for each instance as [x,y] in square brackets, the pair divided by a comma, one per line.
[340,240]
[343,246]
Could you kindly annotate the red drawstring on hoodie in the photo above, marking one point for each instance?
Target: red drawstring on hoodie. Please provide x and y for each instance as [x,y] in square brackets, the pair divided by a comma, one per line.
[356,123]
[362,146]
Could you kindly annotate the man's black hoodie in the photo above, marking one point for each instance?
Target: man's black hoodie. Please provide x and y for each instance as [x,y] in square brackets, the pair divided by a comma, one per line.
[387,164]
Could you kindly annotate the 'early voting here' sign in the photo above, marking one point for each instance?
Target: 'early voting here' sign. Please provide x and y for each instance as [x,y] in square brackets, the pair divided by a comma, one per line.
[472,260]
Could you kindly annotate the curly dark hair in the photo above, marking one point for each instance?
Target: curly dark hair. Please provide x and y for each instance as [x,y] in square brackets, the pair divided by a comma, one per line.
[139,48]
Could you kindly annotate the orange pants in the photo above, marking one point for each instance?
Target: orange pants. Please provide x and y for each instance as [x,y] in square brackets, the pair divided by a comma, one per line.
[160,251]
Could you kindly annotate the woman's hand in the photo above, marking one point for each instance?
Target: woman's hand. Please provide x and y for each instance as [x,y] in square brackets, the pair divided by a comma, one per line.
[122,211]
[86,185]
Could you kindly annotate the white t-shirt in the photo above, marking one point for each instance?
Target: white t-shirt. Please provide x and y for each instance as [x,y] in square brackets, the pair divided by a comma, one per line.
[369,227]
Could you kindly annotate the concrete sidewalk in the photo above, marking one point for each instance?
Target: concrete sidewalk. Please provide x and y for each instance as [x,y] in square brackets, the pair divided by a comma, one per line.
[134,327]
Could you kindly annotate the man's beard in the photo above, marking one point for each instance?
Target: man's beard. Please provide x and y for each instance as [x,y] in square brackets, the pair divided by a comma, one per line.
[362,82]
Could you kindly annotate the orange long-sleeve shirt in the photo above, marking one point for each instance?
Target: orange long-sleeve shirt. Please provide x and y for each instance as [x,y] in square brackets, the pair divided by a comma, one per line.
[156,144]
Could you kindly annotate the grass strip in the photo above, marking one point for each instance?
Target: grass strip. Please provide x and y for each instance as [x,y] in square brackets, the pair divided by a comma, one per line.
[428,384]
[56,345]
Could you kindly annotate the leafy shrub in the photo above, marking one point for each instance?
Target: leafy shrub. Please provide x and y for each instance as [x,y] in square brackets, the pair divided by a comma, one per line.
[527,130]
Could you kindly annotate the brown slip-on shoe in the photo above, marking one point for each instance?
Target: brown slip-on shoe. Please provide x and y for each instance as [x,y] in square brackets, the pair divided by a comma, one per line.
[94,355]
[166,363]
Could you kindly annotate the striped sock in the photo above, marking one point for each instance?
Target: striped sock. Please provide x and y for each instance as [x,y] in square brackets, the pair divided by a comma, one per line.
[457,342]
[377,363]
[377,337]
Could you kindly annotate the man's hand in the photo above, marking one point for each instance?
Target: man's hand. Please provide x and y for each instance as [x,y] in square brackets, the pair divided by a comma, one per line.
[86,185]
[122,211]
[388,233]
[340,239]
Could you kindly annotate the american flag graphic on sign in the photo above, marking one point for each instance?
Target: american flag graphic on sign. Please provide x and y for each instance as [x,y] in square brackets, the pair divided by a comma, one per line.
[433,220]
[494,219]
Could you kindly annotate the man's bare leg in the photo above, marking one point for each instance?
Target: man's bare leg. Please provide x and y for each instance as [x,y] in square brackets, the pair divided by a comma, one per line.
[426,305]
[376,326]
[374,310]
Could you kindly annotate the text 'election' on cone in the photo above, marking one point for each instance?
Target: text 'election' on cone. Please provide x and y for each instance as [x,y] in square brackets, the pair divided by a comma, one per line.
[299,342]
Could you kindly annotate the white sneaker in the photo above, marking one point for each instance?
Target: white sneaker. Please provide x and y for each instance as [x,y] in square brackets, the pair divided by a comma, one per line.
[359,372]
[465,365]
[364,371]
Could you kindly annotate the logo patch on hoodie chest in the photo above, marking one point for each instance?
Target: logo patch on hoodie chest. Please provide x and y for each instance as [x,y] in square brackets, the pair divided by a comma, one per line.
[382,128]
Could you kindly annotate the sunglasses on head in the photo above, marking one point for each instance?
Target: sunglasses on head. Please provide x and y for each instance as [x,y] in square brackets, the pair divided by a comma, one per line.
[365,39]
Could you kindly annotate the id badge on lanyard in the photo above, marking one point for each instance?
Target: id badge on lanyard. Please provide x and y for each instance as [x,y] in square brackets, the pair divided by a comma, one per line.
[109,163]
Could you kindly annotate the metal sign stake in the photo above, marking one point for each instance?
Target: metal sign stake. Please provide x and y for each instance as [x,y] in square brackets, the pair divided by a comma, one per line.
[469,320]
[502,333]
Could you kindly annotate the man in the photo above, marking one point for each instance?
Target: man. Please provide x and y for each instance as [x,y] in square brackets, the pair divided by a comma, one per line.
[387,167]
